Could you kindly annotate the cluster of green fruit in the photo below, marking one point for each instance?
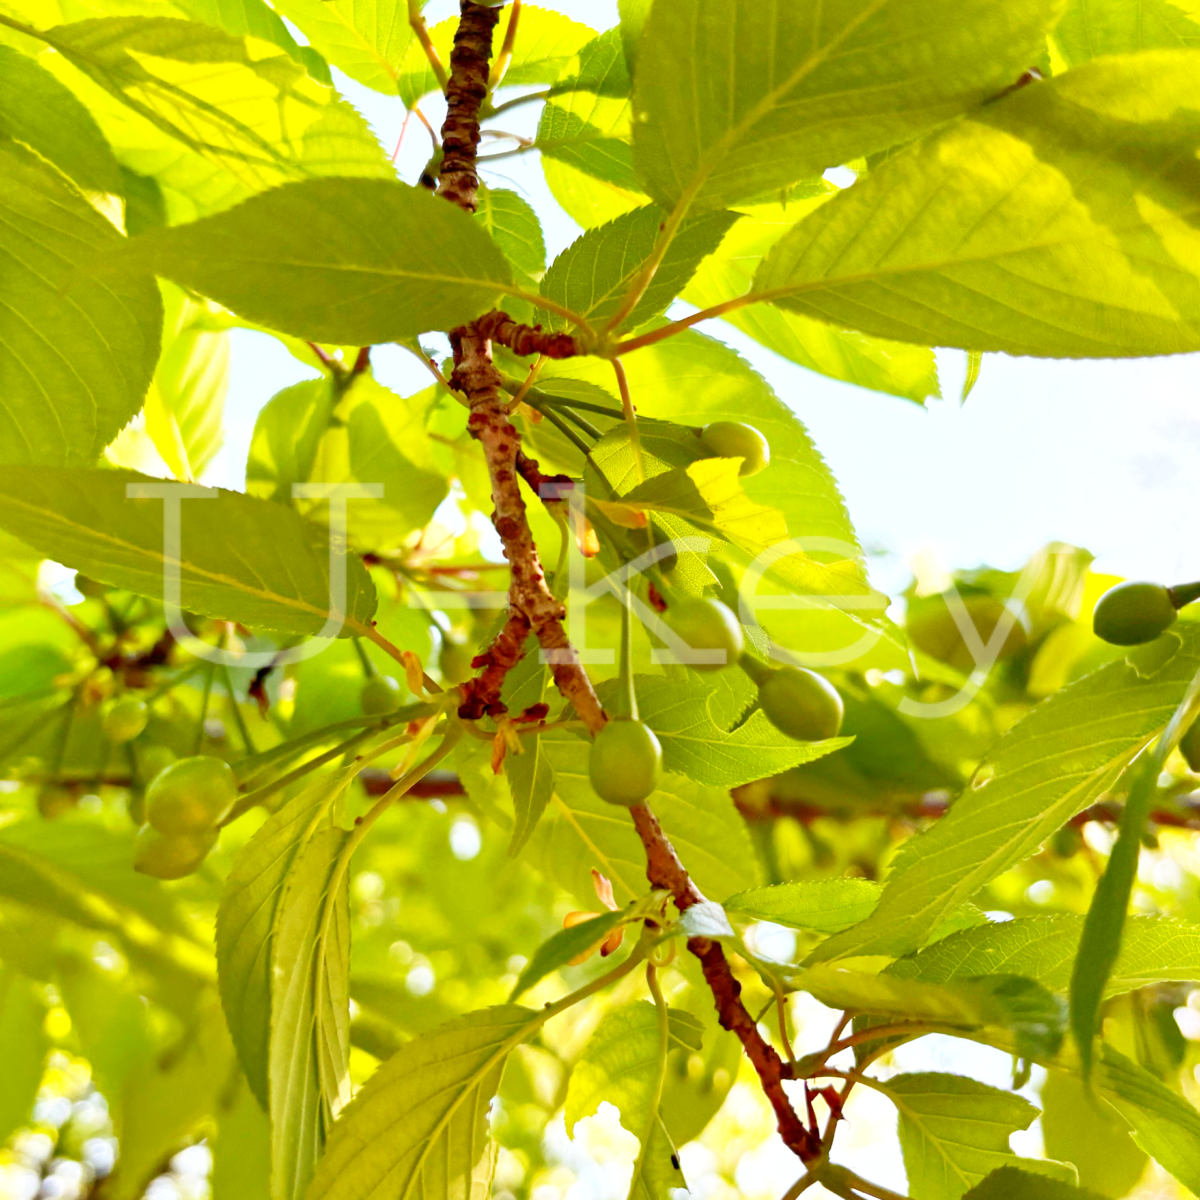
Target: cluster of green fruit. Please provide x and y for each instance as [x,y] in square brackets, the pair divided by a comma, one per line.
[185,804]
[1133,613]
[626,756]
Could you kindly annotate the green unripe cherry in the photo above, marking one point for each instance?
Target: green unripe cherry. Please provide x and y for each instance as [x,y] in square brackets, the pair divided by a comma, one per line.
[733,439]
[125,717]
[706,624]
[1133,613]
[455,662]
[625,762]
[191,795]
[153,760]
[801,704]
[380,694]
[1189,747]
[170,856]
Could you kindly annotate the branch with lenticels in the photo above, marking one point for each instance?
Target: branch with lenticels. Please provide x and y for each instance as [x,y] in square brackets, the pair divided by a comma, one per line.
[532,606]
[476,376]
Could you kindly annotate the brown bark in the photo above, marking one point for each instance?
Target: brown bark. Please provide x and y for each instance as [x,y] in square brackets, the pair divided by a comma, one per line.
[529,595]
[481,695]
[458,180]
[531,604]
[664,870]
[526,340]
[475,374]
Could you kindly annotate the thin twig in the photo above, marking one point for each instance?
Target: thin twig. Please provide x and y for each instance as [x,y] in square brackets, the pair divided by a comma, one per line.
[417,23]
[665,331]
[581,422]
[635,439]
[506,49]
[517,101]
[523,391]
[566,431]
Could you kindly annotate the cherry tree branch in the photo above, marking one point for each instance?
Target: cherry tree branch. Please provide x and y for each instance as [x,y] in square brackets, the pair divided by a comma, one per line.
[528,339]
[532,606]
[664,870]
[466,89]
[530,599]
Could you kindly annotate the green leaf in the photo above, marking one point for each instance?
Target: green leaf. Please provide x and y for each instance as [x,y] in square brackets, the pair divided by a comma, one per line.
[1041,225]
[22,1017]
[694,745]
[242,559]
[310,1011]
[514,227]
[954,1131]
[80,871]
[214,118]
[242,1155]
[379,261]
[1153,950]
[1035,1019]
[419,1125]
[1052,764]
[875,363]
[547,43]
[249,920]
[286,438]
[1102,928]
[1095,28]
[1012,1183]
[592,275]
[580,831]
[692,379]
[354,429]
[820,905]
[365,38]
[734,98]
[530,775]
[633,21]
[560,948]
[1164,1124]
[79,353]
[414,76]
[974,364]
[171,1099]
[586,121]
[111,1023]
[35,108]
[1080,1127]
[254,18]
[387,444]
[587,200]
[708,494]
[185,404]
[622,1065]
